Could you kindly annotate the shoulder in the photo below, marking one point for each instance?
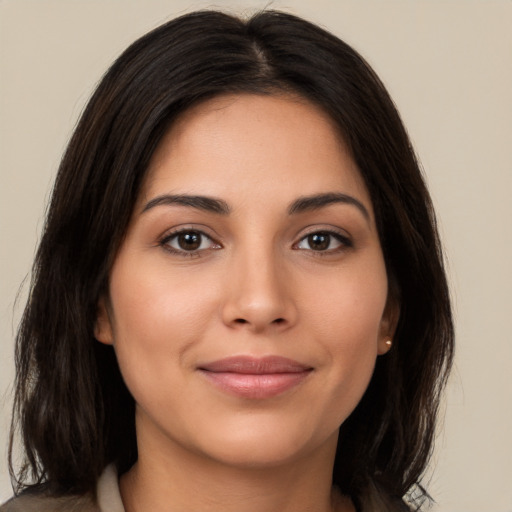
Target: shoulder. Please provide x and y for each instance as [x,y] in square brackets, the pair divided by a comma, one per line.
[40,503]
[108,498]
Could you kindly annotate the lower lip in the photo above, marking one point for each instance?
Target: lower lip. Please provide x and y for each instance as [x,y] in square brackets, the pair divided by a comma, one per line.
[256,386]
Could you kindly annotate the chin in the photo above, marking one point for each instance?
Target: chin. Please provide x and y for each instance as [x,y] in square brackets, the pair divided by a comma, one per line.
[265,445]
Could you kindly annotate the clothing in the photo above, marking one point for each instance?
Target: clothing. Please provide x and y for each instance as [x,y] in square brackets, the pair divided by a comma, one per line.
[108,499]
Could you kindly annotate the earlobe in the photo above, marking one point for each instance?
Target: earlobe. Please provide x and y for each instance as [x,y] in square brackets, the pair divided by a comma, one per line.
[385,346]
[102,326]
[388,327]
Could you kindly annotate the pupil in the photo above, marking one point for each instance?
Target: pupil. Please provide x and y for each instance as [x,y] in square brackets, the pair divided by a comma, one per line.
[189,241]
[319,241]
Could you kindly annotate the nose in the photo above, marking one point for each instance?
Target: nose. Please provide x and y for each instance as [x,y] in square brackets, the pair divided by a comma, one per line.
[258,294]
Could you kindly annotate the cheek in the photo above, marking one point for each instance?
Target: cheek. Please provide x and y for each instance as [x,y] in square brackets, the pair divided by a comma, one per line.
[157,303]
[347,306]
[346,321]
[157,318]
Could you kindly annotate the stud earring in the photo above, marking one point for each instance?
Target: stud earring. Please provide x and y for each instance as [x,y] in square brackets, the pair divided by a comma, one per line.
[389,343]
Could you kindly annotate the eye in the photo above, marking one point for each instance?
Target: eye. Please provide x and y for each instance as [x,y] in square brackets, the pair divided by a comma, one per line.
[188,241]
[323,241]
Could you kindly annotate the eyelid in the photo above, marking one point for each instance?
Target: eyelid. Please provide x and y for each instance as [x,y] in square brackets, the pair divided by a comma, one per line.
[174,232]
[339,234]
[323,228]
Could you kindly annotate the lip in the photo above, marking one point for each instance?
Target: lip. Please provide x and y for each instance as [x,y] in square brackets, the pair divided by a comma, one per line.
[254,377]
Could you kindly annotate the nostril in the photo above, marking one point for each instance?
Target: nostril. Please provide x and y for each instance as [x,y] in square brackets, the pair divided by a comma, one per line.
[244,321]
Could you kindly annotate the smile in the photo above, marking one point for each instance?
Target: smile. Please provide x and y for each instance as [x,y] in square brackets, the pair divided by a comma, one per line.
[255,378]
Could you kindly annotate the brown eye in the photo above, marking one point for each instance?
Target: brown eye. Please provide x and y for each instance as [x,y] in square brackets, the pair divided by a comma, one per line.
[189,241]
[324,241]
[319,241]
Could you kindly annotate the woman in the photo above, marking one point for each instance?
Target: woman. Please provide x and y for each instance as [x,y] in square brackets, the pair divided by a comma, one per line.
[239,299]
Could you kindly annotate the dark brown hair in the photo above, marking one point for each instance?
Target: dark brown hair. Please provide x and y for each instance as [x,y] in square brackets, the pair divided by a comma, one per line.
[72,408]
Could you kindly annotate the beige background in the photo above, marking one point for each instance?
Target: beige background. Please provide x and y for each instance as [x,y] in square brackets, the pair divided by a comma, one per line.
[448,65]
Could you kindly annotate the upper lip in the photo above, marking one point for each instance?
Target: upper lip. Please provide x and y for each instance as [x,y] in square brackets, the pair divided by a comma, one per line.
[255,365]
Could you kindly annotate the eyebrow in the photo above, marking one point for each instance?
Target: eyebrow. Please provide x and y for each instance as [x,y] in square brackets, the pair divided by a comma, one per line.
[215,205]
[209,204]
[317,201]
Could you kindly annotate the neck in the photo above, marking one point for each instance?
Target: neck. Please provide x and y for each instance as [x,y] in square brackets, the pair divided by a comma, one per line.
[177,480]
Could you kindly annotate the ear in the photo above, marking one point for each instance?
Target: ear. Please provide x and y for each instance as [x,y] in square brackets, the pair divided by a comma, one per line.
[388,326]
[103,325]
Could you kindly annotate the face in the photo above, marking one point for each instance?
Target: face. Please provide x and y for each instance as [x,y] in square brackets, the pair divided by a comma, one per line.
[248,301]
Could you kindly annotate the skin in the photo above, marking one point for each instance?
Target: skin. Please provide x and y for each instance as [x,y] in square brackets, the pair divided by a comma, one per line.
[256,285]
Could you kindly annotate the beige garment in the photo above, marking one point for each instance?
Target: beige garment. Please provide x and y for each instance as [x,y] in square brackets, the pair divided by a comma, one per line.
[107,491]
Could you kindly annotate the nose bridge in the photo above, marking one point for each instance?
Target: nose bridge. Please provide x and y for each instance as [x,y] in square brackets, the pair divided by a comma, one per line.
[258,295]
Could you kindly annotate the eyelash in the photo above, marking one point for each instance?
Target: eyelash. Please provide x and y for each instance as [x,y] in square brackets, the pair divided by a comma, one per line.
[344,243]
[165,243]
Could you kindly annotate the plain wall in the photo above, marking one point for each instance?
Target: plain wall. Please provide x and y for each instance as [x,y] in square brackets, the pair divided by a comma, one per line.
[448,65]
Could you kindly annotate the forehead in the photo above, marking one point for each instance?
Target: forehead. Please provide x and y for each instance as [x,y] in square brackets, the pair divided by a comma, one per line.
[263,146]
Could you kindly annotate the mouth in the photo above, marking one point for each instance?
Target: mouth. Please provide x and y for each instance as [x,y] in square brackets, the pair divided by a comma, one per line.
[255,378]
